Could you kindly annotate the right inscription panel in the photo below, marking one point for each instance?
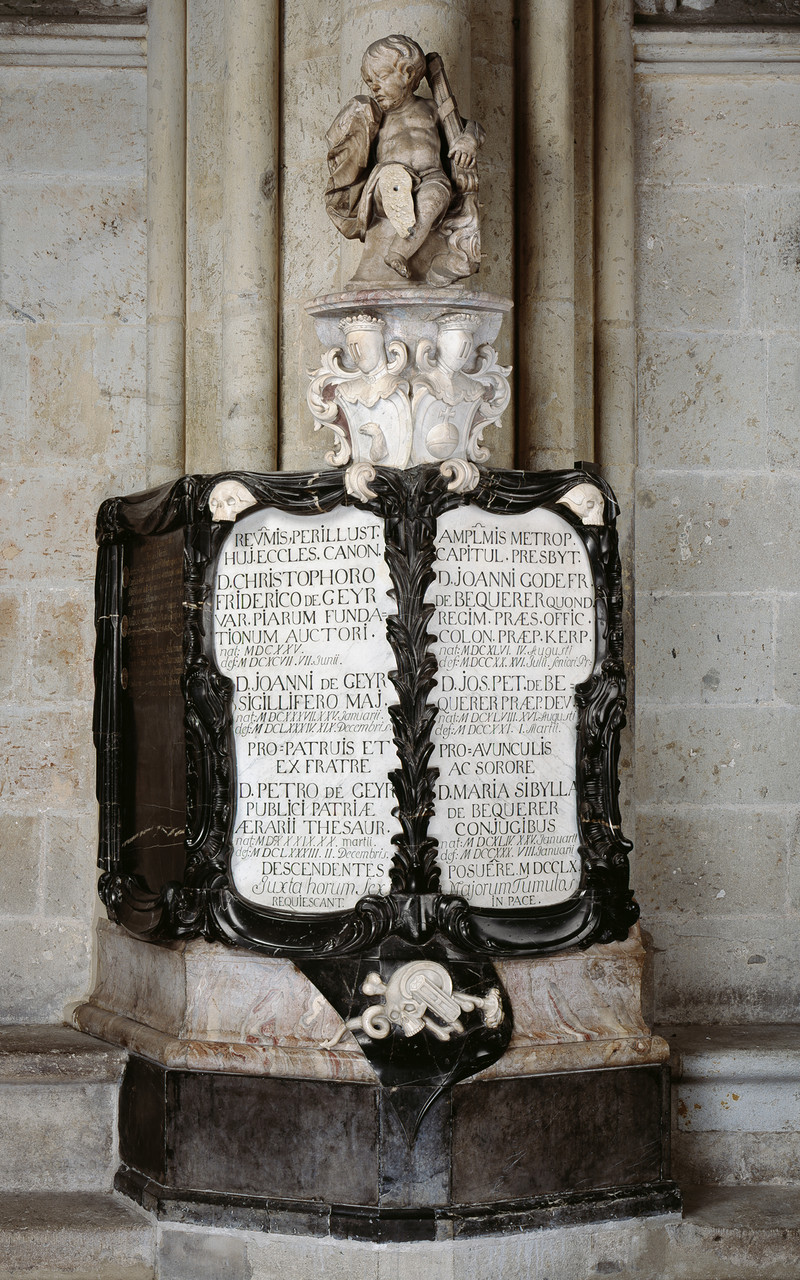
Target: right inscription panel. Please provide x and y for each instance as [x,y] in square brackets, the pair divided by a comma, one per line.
[514,617]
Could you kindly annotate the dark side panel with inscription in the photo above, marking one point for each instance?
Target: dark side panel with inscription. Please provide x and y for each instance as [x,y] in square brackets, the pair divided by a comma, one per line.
[334,721]
[153,781]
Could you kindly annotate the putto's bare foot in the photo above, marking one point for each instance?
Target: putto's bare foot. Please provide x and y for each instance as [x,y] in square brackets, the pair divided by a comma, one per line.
[398,264]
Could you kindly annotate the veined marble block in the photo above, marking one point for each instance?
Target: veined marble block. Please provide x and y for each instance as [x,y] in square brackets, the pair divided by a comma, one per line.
[208,1007]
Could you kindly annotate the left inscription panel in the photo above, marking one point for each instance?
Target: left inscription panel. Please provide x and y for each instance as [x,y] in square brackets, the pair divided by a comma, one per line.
[300,613]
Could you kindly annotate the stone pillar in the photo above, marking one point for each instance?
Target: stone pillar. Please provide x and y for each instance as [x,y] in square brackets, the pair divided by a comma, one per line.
[249,399]
[585,118]
[232,234]
[492,103]
[615,335]
[443,27]
[310,100]
[574,297]
[545,301]
[575,345]
[205,115]
[166,239]
[615,339]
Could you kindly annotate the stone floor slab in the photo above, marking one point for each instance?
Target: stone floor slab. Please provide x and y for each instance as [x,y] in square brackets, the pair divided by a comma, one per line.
[74,1234]
[727,1234]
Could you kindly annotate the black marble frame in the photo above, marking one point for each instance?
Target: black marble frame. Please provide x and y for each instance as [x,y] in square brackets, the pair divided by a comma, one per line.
[205,903]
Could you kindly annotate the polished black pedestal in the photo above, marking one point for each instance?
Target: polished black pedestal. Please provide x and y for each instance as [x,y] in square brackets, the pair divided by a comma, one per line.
[335,1158]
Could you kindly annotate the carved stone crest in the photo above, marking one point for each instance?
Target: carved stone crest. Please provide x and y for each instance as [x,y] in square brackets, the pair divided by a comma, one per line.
[393,406]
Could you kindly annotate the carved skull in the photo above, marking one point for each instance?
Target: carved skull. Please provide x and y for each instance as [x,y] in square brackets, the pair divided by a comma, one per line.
[586,501]
[228,499]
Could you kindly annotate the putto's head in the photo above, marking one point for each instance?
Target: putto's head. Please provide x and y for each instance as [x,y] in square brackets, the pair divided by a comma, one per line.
[392,68]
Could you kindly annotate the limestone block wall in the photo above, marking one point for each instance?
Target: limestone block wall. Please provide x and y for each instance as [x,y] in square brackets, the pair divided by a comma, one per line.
[717,569]
[72,423]
[92,404]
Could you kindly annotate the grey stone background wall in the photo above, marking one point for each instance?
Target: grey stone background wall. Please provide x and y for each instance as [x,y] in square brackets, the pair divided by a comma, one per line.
[72,424]
[713,785]
[717,568]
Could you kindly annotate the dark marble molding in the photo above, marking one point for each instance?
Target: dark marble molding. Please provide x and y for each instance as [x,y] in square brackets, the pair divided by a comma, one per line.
[387,1226]
[332,1158]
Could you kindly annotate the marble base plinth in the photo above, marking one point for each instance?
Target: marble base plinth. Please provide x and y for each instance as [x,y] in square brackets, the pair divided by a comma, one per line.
[338,1158]
[208,1007]
[232,1114]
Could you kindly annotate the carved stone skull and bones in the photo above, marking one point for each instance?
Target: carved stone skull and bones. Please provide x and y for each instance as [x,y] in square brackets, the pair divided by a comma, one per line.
[414,992]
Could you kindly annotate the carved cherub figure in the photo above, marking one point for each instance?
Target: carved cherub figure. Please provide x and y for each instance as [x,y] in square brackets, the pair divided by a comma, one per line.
[388,185]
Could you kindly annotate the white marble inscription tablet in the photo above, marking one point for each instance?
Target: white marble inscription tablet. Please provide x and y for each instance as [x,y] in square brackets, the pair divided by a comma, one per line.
[514,616]
[300,627]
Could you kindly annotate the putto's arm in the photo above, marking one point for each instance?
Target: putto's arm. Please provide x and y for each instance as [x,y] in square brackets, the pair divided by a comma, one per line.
[464,150]
[463,136]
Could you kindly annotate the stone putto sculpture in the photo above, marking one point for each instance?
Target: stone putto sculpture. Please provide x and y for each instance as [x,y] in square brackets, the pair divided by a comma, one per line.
[403,173]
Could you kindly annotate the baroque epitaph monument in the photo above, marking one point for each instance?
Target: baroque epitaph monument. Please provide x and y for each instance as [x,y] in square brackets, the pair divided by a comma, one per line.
[357,737]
